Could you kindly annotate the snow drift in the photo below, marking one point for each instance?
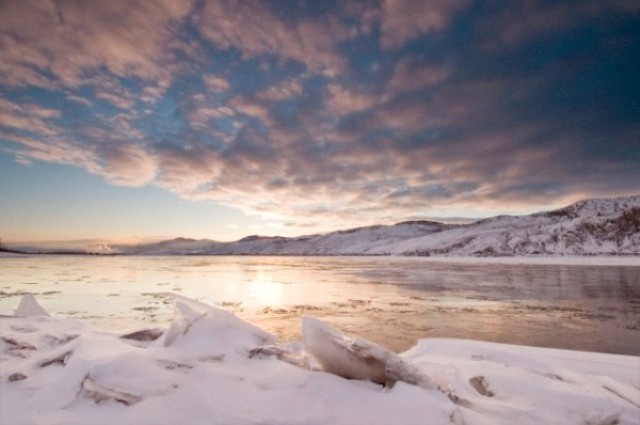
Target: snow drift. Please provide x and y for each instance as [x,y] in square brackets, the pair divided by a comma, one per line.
[211,367]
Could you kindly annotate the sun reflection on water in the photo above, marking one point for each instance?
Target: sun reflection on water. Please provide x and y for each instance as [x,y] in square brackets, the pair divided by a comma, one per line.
[263,290]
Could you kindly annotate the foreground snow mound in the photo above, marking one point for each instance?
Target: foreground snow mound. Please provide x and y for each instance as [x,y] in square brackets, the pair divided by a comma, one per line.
[29,307]
[534,385]
[211,367]
[204,328]
[54,372]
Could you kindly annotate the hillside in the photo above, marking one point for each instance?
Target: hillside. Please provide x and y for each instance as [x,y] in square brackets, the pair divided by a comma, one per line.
[589,227]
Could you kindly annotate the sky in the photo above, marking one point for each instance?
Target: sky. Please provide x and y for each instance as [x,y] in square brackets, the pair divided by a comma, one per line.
[126,120]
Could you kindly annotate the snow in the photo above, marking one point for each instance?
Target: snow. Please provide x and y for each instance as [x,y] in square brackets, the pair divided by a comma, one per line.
[605,227]
[211,367]
[29,307]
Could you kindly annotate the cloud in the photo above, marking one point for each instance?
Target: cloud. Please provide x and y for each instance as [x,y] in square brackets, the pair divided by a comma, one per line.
[413,75]
[127,164]
[58,43]
[28,117]
[329,114]
[121,102]
[104,149]
[188,170]
[287,89]
[78,99]
[216,83]
[253,28]
[200,117]
[403,20]
[342,101]
[545,19]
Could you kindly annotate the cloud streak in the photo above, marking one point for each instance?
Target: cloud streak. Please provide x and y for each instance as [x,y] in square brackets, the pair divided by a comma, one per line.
[330,112]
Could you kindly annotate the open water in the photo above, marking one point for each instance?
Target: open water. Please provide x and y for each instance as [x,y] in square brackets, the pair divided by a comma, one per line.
[389,300]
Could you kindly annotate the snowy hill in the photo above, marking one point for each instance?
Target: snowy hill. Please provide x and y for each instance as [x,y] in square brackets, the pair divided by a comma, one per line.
[362,240]
[589,227]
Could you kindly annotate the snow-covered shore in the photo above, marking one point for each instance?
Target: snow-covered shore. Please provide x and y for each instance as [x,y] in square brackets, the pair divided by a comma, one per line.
[210,367]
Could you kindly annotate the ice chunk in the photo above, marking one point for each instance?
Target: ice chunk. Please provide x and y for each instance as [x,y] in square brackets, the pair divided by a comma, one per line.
[353,358]
[29,307]
[357,358]
[207,329]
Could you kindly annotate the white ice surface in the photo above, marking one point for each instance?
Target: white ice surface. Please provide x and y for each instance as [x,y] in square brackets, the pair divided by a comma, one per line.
[204,370]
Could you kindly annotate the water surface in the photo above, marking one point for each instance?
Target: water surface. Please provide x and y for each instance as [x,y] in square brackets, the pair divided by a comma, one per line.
[392,301]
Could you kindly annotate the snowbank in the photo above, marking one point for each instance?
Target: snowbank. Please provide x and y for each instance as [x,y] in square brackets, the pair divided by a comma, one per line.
[210,367]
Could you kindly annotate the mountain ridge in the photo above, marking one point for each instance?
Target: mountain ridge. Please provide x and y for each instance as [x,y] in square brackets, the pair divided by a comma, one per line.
[604,226]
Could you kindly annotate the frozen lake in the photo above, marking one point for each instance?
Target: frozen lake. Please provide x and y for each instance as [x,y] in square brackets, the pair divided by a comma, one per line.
[389,300]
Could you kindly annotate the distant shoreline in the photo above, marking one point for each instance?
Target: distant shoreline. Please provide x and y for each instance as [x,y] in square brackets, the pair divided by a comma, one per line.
[558,259]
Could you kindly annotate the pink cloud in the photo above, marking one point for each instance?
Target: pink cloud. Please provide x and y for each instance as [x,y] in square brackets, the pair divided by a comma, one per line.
[342,101]
[282,91]
[541,19]
[69,39]
[126,164]
[80,100]
[415,133]
[251,27]
[411,76]
[200,116]
[253,107]
[215,83]
[28,117]
[119,101]
[54,149]
[153,93]
[187,171]
[403,20]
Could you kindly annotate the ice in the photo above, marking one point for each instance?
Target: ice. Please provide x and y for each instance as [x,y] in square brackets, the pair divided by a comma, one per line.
[212,367]
[209,330]
[29,307]
[353,358]
[357,358]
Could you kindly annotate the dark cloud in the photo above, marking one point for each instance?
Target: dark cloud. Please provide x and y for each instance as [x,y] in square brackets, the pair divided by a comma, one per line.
[359,111]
